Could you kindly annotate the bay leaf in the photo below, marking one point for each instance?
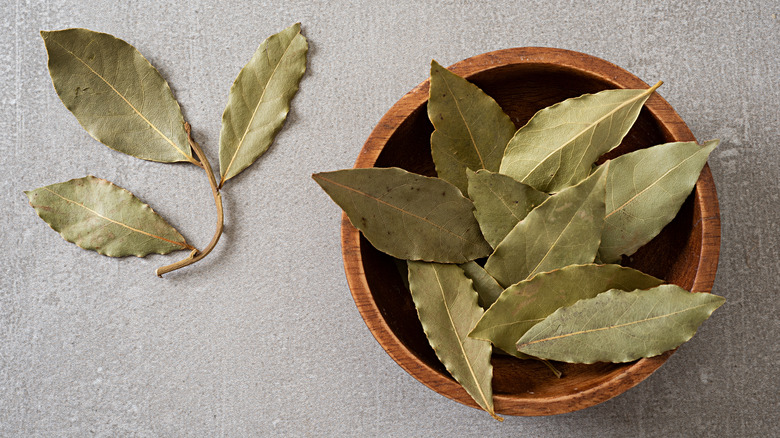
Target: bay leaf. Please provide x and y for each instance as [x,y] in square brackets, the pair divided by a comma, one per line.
[470,128]
[564,230]
[97,215]
[618,326]
[524,304]
[259,100]
[447,307]
[500,203]
[486,286]
[407,216]
[645,190]
[557,147]
[116,95]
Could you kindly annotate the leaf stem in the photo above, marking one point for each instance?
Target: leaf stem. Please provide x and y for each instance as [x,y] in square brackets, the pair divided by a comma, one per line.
[552,368]
[197,255]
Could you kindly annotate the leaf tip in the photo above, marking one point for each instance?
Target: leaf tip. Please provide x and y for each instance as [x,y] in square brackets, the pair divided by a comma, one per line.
[712,143]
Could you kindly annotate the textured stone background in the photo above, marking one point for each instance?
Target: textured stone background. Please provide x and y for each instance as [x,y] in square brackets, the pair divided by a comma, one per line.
[262,337]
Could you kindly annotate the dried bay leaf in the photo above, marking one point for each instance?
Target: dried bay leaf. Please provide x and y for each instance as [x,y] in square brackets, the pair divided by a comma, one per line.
[645,190]
[618,326]
[557,147]
[95,214]
[486,286]
[500,202]
[116,95]
[564,230]
[407,216]
[259,100]
[471,129]
[447,307]
[524,304]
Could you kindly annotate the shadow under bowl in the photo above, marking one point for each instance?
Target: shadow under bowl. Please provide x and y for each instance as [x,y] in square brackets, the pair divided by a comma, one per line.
[523,81]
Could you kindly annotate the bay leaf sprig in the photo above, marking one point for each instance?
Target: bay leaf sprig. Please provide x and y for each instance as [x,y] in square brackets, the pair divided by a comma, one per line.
[122,101]
[531,236]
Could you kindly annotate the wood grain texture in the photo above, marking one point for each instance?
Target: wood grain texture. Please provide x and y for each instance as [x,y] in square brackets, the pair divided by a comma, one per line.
[522,81]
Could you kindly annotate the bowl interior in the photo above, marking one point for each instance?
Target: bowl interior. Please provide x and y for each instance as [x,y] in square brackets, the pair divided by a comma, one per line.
[525,386]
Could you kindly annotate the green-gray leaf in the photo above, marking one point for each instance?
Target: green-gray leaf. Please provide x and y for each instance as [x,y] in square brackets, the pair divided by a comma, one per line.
[116,95]
[471,130]
[259,100]
[564,230]
[618,326]
[486,286]
[95,214]
[447,307]
[408,216]
[528,302]
[500,203]
[557,147]
[645,190]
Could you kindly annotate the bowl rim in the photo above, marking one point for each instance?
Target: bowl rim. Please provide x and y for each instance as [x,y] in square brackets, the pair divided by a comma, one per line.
[507,404]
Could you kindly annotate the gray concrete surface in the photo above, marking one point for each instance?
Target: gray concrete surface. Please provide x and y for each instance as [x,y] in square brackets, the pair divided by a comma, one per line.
[262,337]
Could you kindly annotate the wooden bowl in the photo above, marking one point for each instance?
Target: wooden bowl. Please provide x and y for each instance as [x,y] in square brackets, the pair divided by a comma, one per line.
[522,81]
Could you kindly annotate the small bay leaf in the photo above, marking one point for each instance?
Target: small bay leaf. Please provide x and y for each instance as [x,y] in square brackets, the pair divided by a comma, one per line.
[645,190]
[116,95]
[259,100]
[407,216]
[95,214]
[500,203]
[486,286]
[524,304]
[618,326]
[471,130]
[447,307]
[564,230]
[557,147]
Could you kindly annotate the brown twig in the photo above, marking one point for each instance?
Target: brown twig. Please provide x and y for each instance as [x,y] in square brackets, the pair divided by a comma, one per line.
[196,255]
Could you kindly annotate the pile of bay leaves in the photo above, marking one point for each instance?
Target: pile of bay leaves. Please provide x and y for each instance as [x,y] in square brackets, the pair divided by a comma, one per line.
[551,224]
